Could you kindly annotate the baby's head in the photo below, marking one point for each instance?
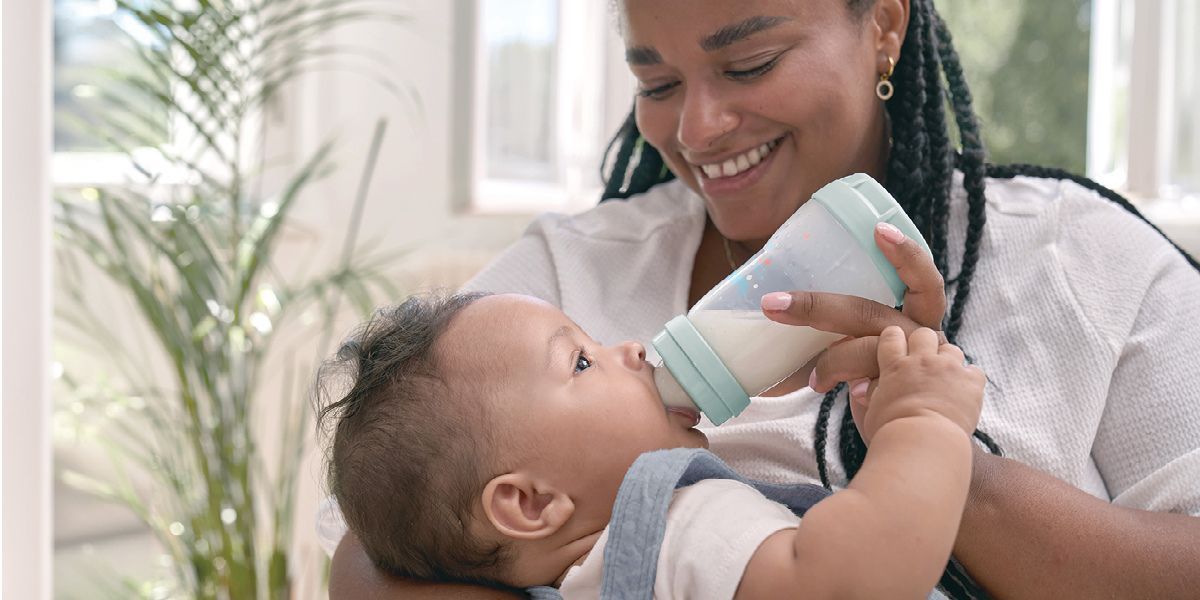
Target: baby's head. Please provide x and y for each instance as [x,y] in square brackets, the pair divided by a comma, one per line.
[485,437]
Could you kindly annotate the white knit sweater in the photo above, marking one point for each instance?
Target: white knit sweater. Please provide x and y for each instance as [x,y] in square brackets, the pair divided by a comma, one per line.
[1085,319]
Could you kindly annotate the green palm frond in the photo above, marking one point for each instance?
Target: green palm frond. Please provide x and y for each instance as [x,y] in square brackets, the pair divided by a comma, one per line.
[195,260]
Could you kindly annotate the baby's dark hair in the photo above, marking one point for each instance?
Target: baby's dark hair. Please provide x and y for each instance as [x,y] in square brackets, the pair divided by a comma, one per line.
[409,455]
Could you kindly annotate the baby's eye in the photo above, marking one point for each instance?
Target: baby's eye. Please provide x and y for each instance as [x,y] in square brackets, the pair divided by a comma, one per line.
[582,363]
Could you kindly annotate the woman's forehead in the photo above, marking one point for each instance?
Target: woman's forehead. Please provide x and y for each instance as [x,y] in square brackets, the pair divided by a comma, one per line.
[676,21]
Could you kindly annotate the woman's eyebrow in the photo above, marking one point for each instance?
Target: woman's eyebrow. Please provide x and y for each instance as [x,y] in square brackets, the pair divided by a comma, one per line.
[643,56]
[737,32]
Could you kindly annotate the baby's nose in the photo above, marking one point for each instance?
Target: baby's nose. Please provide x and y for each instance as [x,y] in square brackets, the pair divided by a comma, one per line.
[635,354]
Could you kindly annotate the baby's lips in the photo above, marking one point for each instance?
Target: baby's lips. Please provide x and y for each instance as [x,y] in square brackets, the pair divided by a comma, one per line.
[690,414]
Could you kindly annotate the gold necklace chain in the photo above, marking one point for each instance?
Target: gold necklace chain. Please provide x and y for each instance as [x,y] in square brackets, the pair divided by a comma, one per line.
[728,252]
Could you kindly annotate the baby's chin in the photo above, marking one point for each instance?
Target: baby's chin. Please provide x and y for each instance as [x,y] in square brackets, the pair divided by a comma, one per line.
[694,438]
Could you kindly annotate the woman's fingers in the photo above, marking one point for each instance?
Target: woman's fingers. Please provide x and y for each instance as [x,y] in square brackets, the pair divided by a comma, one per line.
[925,301]
[849,360]
[837,313]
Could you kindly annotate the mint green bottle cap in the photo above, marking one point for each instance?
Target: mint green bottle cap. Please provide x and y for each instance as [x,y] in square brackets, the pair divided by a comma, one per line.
[699,371]
[858,202]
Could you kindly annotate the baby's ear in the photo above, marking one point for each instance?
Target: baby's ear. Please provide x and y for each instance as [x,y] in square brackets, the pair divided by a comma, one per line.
[520,508]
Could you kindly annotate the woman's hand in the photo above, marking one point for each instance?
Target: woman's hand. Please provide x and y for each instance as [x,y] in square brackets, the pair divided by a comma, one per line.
[862,320]
[352,576]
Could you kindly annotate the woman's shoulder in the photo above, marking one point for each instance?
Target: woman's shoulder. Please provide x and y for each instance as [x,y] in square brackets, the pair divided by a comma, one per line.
[1083,245]
[635,219]
[1045,194]
[1043,207]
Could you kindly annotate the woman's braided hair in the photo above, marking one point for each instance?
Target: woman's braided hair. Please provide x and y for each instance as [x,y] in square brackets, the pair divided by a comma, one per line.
[921,169]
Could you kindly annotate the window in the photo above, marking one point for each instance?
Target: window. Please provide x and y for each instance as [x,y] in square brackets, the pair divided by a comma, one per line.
[92,40]
[1102,87]
[547,85]
[1027,64]
[1184,169]
[1143,117]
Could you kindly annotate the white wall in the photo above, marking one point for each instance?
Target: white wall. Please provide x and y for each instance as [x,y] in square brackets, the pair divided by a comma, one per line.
[25,319]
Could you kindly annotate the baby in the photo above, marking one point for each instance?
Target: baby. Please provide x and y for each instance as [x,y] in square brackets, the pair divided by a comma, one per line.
[485,437]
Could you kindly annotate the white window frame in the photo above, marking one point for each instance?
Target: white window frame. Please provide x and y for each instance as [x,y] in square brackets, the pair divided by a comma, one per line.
[1148,75]
[26,503]
[594,93]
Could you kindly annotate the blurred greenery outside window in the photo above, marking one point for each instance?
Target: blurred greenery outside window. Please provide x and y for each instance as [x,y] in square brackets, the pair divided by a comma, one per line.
[1106,88]
[1027,62]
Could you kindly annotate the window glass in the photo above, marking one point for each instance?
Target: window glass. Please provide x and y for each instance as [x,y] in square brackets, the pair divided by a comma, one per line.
[93,39]
[520,39]
[1027,64]
[1184,175]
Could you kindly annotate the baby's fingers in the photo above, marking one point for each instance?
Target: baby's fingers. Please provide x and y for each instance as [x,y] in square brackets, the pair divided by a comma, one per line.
[892,346]
[923,341]
[952,351]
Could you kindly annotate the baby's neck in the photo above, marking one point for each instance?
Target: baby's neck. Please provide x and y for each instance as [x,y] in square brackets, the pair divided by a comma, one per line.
[546,562]
[580,549]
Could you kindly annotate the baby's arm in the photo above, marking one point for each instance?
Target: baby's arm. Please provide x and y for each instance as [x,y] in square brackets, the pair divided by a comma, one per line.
[889,534]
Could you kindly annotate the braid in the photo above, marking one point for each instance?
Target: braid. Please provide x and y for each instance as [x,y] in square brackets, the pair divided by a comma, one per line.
[920,172]
[647,170]
[821,439]
[972,160]
[940,158]
[625,139]
[851,444]
[910,142]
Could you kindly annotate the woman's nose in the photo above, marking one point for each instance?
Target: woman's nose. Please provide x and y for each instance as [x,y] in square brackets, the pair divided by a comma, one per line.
[704,120]
[634,355]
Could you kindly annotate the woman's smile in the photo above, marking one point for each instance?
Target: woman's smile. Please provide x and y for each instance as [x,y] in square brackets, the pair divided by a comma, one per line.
[731,175]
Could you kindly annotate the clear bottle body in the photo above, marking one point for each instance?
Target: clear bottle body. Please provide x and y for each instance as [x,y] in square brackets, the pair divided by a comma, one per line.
[812,251]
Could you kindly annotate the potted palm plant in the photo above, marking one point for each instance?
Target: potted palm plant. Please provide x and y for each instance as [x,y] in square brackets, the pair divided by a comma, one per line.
[191,241]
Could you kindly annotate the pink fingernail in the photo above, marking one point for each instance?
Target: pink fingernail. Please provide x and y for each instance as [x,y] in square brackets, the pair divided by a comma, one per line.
[812,379]
[776,301]
[859,388]
[890,233]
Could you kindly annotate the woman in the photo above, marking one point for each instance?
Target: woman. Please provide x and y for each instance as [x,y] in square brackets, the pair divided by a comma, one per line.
[1082,315]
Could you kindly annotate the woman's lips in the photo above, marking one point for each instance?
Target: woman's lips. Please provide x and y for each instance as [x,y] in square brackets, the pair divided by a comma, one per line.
[691,414]
[729,185]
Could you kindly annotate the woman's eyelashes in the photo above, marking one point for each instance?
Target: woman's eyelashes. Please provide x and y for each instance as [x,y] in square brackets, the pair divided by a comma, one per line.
[662,91]
[582,363]
[748,74]
[658,93]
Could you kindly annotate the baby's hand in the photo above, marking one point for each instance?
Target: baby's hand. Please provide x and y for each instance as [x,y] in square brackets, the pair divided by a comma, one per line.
[919,377]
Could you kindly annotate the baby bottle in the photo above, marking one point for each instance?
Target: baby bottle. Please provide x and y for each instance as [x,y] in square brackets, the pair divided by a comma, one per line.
[725,350]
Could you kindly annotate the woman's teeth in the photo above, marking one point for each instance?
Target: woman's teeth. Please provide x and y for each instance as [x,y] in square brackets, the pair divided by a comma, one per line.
[741,163]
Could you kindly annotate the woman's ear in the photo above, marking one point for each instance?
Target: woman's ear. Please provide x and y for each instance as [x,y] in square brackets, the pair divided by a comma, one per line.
[891,21]
[520,508]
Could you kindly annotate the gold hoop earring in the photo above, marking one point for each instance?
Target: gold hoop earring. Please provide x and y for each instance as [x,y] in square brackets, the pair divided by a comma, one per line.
[884,89]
